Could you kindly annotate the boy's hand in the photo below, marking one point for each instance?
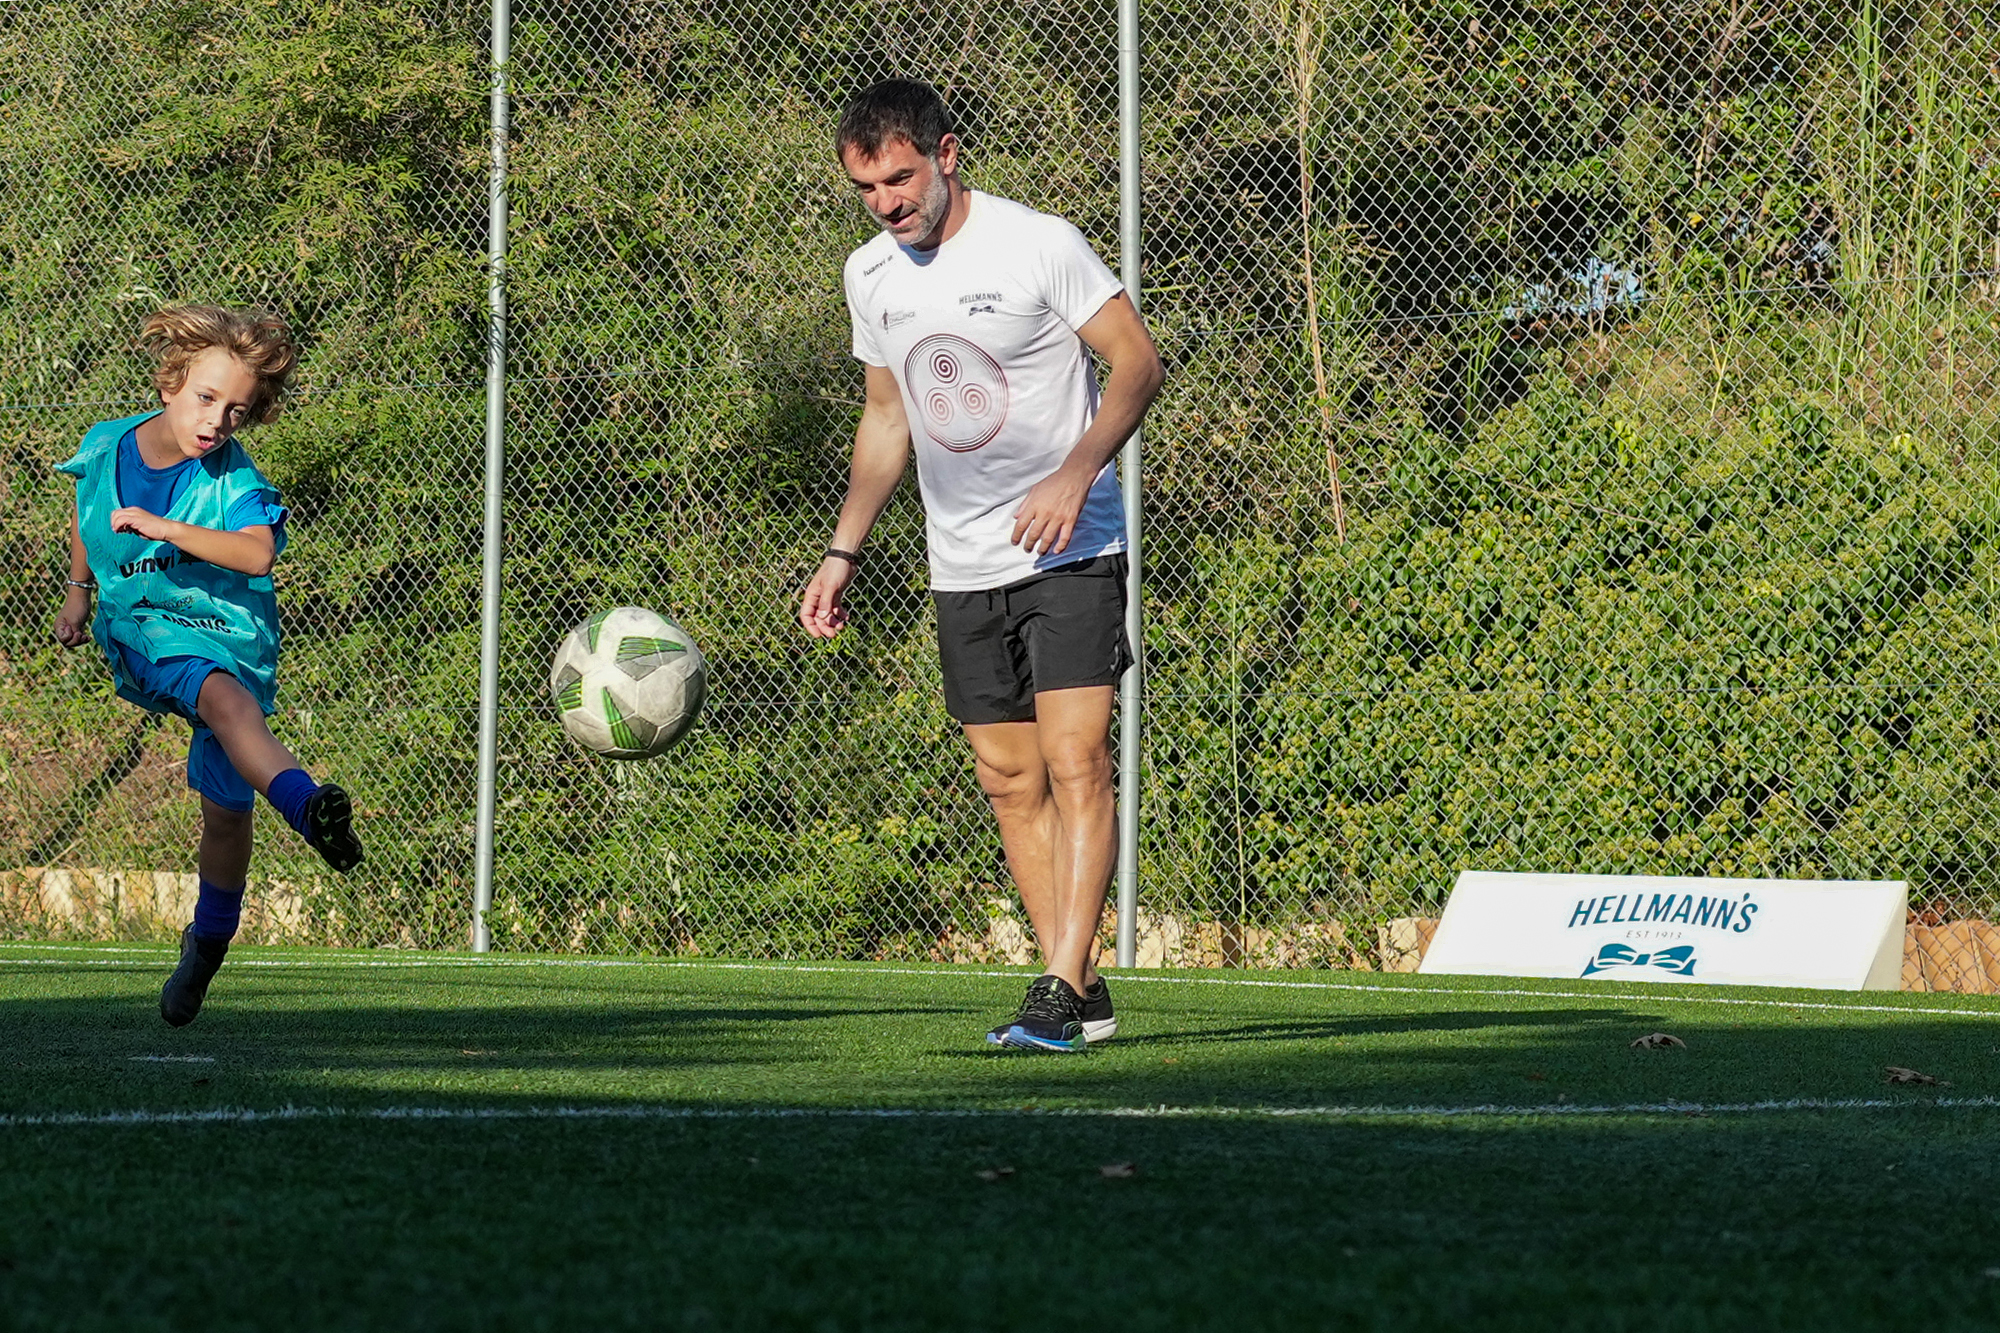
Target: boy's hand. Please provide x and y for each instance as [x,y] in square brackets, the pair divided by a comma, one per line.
[134,519]
[73,621]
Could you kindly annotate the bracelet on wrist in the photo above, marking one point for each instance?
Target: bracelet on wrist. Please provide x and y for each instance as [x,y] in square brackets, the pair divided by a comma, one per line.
[87,587]
[851,557]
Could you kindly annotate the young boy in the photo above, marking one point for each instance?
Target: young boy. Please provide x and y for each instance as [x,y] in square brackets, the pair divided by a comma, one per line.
[175,533]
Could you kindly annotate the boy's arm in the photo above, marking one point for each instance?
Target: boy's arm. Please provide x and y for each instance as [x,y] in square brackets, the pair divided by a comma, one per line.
[881,453]
[250,550]
[73,621]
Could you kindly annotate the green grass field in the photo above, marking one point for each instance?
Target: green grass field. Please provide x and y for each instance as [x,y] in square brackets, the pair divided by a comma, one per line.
[390,1140]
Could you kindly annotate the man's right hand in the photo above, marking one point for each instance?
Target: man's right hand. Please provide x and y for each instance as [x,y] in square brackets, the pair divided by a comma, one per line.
[820,608]
[73,621]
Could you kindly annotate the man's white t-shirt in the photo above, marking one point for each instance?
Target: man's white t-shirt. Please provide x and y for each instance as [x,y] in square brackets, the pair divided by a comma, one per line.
[981,336]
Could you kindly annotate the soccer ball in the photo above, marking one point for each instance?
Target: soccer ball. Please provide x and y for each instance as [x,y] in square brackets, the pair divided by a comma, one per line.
[628,682]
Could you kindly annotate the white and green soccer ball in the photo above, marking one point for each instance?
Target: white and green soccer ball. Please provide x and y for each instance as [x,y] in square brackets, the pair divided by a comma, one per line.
[628,683]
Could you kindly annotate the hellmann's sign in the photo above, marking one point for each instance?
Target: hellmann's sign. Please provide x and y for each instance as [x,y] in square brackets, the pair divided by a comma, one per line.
[1823,934]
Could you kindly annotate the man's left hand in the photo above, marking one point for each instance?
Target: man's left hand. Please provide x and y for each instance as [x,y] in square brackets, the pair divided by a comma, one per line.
[1047,519]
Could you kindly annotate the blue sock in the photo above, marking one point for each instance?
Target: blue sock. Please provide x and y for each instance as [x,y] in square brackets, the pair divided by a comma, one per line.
[290,791]
[217,912]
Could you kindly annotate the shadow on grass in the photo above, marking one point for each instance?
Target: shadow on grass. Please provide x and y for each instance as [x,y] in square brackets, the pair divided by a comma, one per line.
[1320,1028]
[335,1037]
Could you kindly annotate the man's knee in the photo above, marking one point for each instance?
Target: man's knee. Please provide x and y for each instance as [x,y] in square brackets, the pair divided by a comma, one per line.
[1079,766]
[1011,782]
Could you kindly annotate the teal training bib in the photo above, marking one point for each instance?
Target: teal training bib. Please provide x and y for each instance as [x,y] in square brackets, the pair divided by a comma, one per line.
[160,601]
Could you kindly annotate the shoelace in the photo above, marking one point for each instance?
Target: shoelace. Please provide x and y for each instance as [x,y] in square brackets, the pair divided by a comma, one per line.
[1047,1003]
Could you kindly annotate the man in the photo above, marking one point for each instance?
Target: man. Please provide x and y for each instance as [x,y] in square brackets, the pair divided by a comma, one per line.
[976,319]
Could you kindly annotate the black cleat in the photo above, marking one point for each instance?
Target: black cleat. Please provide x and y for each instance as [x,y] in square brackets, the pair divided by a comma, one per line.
[330,827]
[1099,1023]
[181,997]
[1051,1019]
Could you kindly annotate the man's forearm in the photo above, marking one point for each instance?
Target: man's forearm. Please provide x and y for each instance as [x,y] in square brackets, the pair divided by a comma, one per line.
[1128,392]
[879,460]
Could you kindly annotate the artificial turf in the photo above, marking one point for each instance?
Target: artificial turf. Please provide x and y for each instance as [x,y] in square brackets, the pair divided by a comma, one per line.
[588,1144]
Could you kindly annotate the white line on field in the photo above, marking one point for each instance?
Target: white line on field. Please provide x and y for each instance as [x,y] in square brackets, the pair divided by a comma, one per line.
[175,1059]
[1123,978]
[250,1116]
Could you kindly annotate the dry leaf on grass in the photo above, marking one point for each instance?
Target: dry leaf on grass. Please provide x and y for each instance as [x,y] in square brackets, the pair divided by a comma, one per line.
[992,1174]
[1659,1041]
[1898,1074]
[1118,1171]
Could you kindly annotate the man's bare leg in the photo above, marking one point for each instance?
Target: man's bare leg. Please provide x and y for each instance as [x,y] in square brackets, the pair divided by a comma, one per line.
[1049,782]
[1008,760]
[1074,731]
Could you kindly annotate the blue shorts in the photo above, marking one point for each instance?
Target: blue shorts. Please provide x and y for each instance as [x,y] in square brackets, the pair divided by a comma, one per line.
[173,685]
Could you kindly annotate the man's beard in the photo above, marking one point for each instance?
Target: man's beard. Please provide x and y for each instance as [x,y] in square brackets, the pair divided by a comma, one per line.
[931,207]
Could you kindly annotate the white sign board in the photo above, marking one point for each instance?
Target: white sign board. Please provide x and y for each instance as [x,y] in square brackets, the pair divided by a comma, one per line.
[1825,934]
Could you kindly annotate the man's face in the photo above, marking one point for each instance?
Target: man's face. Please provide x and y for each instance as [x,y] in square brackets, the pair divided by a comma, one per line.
[211,403]
[907,193]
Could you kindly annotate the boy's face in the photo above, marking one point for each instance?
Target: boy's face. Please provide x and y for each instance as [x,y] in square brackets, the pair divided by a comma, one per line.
[211,403]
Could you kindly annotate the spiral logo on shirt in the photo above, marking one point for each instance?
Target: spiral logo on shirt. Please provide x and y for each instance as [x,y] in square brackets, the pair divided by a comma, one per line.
[959,390]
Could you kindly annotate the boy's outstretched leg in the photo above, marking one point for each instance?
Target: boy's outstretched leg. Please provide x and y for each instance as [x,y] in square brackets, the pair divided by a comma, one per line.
[321,813]
[225,864]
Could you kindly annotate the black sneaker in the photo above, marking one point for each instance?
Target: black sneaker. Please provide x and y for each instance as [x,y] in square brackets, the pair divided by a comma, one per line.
[181,997]
[330,827]
[1099,1023]
[1051,1019]
[998,1036]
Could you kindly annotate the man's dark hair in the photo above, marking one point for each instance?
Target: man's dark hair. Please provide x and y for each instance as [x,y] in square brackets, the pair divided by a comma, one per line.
[893,109]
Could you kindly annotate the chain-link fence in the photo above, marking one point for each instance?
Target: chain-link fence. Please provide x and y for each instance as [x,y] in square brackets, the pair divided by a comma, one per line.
[1578,452]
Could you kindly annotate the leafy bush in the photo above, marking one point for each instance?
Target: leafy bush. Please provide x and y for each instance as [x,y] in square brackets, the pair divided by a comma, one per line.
[1461,552]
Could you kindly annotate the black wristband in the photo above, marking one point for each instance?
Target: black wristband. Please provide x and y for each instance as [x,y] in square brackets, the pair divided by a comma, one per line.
[851,557]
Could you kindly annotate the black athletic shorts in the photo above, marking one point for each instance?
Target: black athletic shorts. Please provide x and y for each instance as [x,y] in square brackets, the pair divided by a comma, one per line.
[1061,629]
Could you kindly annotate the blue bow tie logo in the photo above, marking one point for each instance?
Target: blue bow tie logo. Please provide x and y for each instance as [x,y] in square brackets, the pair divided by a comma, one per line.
[1679,960]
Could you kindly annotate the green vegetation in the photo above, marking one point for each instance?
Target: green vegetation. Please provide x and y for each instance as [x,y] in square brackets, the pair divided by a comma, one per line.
[1578,455]
[736,1174]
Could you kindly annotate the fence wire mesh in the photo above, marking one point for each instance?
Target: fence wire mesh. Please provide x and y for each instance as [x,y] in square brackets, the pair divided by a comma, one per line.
[1578,453]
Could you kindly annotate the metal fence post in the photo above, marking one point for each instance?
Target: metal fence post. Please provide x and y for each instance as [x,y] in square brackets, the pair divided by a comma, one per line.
[496,426]
[1129,695]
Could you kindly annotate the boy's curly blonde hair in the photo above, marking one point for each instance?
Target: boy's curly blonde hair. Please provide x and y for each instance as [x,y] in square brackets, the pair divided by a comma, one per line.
[262,342]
